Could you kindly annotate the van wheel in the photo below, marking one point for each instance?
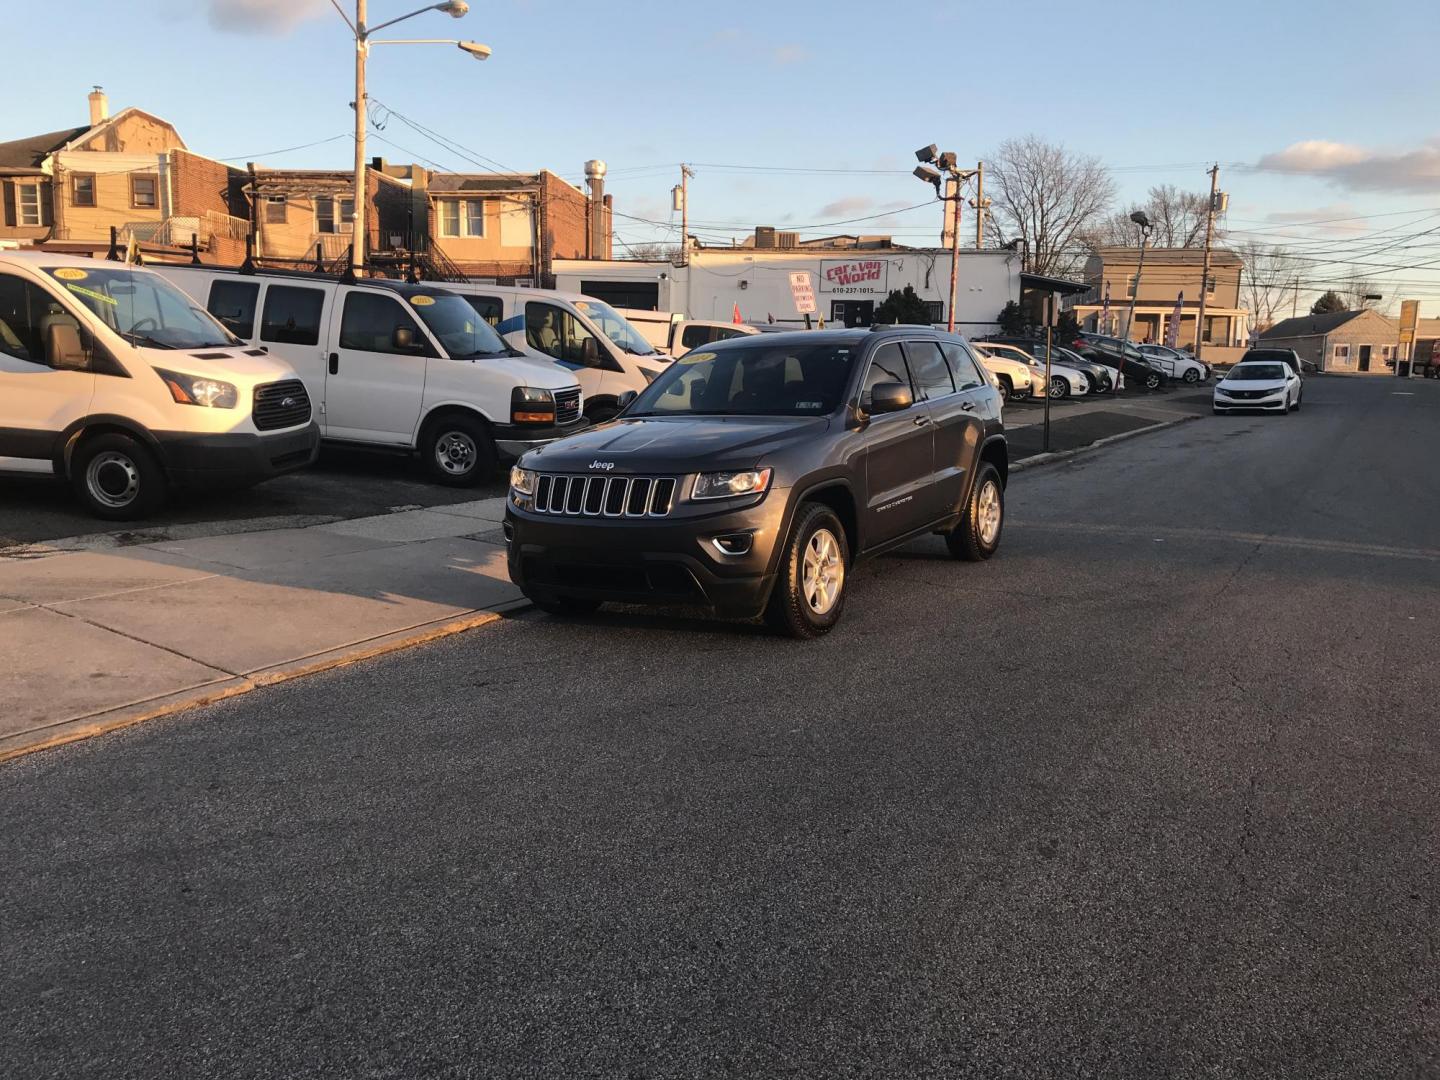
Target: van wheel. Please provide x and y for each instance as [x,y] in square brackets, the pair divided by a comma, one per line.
[117,478]
[459,450]
[810,591]
[977,535]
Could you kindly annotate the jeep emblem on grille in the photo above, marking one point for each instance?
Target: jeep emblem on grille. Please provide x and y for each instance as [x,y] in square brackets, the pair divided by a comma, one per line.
[606,465]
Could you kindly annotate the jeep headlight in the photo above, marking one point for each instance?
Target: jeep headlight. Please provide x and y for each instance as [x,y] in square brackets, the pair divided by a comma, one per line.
[727,485]
[198,390]
[522,481]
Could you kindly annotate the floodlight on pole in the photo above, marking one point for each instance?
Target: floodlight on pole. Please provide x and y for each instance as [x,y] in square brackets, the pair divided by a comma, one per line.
[1139,218]
[927,153]
[929,175]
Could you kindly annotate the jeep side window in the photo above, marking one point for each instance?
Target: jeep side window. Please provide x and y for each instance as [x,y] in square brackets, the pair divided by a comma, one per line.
[962,366]
[928,367]
[556,332]
[887,365]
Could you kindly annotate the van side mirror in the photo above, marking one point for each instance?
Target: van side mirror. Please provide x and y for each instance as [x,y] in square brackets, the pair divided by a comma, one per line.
[403,339]
[63,350]
[624,400]
[590,352]
[888,397]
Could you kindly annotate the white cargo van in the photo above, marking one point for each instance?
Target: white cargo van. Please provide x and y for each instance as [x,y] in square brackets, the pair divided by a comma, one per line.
[114,379]
[584,336]
[408,367]
[674,335]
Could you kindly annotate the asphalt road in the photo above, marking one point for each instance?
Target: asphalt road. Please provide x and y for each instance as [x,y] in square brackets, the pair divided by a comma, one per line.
[1156,792]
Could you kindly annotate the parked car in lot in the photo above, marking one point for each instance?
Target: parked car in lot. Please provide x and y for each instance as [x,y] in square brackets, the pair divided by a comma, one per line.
[1065,381]
[1014,378]
[1289,357]
[1115,354]
[1099,379]
[112,378]
[674,335]
[1176,363]
[584,336]
[751,476]
[1259,384]
[396,366]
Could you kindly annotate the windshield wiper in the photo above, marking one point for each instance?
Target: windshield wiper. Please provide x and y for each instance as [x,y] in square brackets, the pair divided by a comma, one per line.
[146,339]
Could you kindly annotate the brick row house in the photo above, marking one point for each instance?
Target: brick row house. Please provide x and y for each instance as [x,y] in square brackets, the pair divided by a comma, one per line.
[131,172]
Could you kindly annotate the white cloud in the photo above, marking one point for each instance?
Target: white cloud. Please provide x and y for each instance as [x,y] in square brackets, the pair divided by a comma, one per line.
[263,16]
[1330,218]
[785,55]
[1355,168]
[851,204]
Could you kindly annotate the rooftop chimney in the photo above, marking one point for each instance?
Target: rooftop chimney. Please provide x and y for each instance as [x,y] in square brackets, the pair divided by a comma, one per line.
[99,107]
[595,178]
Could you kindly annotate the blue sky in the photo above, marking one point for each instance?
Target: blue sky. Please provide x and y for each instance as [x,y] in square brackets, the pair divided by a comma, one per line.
[1340,103]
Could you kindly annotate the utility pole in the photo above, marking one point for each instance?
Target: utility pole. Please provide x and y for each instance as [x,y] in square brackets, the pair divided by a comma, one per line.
[979,205]
[955,252]
[685,173]
[946,179]
[1205,273]
[357,229]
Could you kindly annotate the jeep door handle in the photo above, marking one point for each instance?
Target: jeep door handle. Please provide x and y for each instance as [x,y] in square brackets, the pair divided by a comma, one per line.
[334,363]
[968,406]
[921,421]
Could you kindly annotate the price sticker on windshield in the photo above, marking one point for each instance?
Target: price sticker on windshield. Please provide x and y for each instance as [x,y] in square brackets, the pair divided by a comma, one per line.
[581,305]
[422,301]
[70,273]
[93,295]
[696,358]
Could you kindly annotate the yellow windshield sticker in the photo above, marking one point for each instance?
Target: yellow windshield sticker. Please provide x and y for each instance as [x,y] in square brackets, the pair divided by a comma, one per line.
[581,305]
[696,358]
[93,295]
[70,273]
[422,301]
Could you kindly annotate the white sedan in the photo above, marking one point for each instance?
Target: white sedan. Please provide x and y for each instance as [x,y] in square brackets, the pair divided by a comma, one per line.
[1176,364]
[1065,381]
[1259,384]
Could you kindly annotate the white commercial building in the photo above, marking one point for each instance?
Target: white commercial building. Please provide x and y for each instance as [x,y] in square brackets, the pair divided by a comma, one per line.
[849,284]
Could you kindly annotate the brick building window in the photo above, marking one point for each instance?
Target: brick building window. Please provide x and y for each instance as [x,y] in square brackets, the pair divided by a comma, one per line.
[462,217]
[334,215]
[275,209]
[82,189]
[144,191]
[1342,354]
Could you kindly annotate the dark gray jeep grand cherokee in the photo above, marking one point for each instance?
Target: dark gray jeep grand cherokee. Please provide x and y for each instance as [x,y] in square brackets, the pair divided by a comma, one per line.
[752,474]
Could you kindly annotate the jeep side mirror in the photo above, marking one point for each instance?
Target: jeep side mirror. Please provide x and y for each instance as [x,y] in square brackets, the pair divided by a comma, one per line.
[403,339]
[63,350]
[589,352]
[624,400]
[887,397]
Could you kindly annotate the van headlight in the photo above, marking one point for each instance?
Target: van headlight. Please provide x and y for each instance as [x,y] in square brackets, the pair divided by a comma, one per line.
[728,485]
[199,390]
[522,481]
[531,405]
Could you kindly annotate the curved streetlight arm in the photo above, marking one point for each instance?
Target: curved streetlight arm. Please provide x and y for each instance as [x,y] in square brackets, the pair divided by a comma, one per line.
[447,8]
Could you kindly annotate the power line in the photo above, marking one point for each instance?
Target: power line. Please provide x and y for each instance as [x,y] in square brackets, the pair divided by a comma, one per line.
[288,149]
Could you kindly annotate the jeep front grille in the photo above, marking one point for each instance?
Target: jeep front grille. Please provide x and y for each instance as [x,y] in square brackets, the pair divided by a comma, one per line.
[604,496]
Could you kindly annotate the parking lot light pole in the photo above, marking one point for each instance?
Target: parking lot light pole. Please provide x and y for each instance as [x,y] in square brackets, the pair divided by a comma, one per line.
[946,161]
[1139,218]
[455,9]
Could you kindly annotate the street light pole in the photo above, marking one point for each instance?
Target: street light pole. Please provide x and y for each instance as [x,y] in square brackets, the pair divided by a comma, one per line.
[1139,218]
[455,9]
[946,161]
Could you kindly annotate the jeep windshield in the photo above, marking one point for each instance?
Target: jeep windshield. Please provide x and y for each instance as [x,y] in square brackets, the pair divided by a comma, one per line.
[457,326]
[613,325]
[142,307]
[751,378]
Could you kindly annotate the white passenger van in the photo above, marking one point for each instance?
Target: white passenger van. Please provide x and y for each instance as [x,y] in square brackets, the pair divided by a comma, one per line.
[408,367]
[583,335]
[114,379]
[674,335]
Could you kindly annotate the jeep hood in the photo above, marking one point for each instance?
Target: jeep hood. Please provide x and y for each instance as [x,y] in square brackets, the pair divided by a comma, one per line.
[675,444]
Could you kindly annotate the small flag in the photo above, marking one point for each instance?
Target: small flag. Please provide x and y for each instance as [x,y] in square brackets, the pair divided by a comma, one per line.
[1172,334]
[735,316]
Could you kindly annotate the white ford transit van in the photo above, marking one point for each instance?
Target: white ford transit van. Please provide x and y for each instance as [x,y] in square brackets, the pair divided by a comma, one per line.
[584,336]
[408,367]
[113,378]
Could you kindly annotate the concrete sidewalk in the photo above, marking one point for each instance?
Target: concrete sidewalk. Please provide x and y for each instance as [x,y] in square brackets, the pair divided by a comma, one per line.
[95,640]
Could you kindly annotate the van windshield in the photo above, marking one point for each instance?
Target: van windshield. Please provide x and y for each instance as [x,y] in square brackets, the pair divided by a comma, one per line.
[613,325]
[458,326]
[142,307]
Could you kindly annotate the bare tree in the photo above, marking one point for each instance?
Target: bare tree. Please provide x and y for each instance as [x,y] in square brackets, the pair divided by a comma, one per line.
[1357,288]
[652,252]
[1046,197]
[1178,217]
[1268,280]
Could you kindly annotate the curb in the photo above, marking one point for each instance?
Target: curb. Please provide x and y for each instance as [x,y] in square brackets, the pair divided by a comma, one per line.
[106,721]
[1055,456]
